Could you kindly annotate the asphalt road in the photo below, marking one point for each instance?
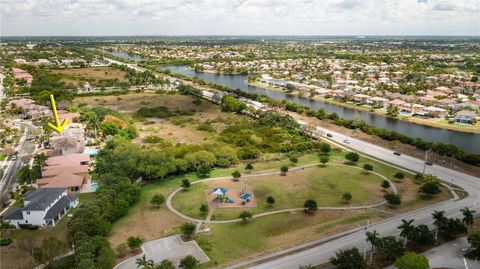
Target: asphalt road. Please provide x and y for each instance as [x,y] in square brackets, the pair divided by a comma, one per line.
[322,253]
[25,148]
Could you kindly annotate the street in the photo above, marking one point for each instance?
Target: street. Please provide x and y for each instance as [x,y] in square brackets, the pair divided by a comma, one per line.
[24,148]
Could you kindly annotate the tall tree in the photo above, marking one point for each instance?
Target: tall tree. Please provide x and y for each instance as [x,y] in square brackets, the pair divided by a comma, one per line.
[468,216]
[349,259]
[407,230]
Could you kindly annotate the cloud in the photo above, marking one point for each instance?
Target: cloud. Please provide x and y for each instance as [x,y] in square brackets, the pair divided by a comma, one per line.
[444,7]
[281,17]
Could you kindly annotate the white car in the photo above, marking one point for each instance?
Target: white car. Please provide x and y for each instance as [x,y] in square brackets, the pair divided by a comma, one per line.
[346,141]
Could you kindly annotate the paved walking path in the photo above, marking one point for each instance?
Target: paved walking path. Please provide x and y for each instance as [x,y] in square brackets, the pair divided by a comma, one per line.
[246,177]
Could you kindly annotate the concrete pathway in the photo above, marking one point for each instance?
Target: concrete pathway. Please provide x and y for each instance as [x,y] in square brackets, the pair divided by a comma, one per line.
[246,177]
[172,248]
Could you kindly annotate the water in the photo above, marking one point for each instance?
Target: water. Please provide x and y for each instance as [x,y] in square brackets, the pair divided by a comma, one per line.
[126,56]
[467,141]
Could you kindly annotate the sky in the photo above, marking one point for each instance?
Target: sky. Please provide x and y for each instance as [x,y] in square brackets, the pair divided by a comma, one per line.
[239,17]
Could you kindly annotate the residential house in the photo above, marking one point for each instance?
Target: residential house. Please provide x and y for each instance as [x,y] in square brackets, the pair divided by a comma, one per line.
[42,207]
[19,74]
[464,117]
[70,172]
[379,102]
[66,145]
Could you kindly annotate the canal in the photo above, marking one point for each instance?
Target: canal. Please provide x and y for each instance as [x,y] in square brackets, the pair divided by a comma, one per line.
[467,141]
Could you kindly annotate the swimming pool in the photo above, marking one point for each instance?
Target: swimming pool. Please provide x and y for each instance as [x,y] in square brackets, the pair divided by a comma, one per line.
[94,186]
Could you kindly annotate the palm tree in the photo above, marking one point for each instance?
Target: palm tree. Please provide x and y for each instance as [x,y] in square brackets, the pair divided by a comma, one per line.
[374,239]
[144,263]
[407,230]
[468,216]
[439,220]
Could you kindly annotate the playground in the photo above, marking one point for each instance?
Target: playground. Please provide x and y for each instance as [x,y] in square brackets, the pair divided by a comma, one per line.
[230,198]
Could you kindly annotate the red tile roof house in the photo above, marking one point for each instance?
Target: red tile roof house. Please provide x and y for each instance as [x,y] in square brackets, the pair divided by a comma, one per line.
[64,146]
[70,172]
[22,74]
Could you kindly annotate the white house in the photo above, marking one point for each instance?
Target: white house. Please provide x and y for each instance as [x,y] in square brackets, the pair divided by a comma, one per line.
[42,207]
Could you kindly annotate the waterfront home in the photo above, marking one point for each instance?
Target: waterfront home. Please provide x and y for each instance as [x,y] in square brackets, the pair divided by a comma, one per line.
[397,103]
[427,100]
[465,117]
[379,102]
[361,98]
[42,207]
[338,94]
[434,112]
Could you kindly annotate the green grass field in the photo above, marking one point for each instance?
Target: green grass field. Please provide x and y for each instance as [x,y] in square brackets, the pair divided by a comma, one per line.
[324,184]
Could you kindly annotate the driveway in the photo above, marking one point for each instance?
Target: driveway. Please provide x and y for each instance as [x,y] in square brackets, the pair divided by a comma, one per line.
[449,255]
[172,248]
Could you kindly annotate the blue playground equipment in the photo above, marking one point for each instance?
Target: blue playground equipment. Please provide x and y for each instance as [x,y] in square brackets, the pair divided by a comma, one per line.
[245,196]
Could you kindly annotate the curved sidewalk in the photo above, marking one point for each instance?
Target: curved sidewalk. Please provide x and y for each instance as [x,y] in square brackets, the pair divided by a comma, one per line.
[201,221]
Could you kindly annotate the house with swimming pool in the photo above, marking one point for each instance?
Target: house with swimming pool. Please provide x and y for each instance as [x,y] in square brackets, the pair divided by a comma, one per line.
[70,172]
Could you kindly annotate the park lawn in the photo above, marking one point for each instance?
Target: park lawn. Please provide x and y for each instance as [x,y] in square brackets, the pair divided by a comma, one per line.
[323,184]
[92,74]
[13,256]
[230,243]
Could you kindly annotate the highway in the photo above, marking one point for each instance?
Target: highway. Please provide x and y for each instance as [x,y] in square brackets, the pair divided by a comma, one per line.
[322,253]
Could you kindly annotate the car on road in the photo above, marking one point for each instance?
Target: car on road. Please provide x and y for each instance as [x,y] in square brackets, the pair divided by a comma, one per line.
[329,135]
[429,163]
[397,153]
[346,141]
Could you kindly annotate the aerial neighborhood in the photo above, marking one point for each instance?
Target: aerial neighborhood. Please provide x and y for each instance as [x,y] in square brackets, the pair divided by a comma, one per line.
[232,152]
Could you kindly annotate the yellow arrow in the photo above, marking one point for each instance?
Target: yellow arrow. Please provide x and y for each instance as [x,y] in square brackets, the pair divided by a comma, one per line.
[57,127]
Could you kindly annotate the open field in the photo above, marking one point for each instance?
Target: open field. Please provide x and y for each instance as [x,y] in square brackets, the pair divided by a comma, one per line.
[76,76]
[174,129]
[16,256]
[324,184]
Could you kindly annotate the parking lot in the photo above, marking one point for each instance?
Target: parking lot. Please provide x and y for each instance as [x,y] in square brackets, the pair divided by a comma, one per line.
[172,248]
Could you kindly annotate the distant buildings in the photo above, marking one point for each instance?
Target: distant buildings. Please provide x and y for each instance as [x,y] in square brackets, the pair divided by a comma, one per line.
[22,75]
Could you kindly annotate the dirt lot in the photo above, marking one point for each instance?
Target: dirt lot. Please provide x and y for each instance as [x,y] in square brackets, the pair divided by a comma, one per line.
[76,75]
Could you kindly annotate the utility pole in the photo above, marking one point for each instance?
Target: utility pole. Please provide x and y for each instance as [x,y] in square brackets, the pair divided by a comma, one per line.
[425,161]
[365,242]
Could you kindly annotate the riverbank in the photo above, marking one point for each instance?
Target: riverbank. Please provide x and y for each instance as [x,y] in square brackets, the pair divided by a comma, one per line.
[435,122]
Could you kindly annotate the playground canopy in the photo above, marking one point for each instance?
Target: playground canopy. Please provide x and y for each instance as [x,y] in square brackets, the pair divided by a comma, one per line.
[245,196]
[219,191]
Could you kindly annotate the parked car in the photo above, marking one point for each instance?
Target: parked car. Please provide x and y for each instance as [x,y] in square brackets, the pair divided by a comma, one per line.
[329,135]
[397,153]
[429,163]
[346,141]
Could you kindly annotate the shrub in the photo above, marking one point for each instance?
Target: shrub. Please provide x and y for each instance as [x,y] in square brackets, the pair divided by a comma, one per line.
[188,262]
[393,199]
[385,184]
[399,175]
[310,205]
[134,242]
[188,229]
[245,216]
[185,183]
[347,197]
[121,249]
[29,227]
[352,157]
[5,241]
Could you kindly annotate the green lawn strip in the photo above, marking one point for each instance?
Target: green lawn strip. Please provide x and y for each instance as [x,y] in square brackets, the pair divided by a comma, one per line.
[235,241]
